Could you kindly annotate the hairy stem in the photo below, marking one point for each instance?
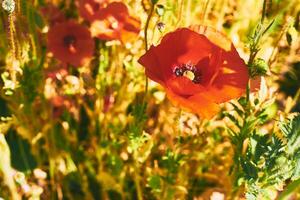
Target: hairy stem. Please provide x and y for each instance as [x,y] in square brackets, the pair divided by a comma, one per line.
[146,44]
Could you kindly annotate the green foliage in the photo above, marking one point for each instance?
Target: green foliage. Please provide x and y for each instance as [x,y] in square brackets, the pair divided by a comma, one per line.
[30,83]
[254,45]
[270,161]
[172,161]
[103,137]
[154,182]
[137,138]
[198,186]
[95,186]
[291,131]
[3,108]
[23,160]
[72,183]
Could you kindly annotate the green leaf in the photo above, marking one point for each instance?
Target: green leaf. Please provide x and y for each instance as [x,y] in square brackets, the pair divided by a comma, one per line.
[237,109]
[291,130]
[154,182]
[95,187]
[60,140]
[4,111]
[113,194]
[233,119]
[72,184]
[38,20]
[296,173]
[31,79]
[21,156]
[115,164]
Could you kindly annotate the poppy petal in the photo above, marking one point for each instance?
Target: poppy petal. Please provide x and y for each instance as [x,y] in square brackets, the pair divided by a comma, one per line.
[216,37]
[113,22]
[183,86]
[152,67]
[199,70]
[190,47]
[200,104]
[88,8]
[118,9]
[76,54]
[232,80]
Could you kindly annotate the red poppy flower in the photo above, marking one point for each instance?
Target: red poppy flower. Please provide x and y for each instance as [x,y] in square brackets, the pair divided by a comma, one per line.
[113,22]
[199,69]
[60,104]
[88,8]
[52,14]
[71,43]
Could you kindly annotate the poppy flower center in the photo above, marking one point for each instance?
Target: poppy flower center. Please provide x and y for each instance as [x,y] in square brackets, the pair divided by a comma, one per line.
[113,23]
[69,40]
[189,71]
[96,7]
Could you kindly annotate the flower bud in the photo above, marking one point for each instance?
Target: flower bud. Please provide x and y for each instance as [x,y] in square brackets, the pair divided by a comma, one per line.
[8,5]
[258,68]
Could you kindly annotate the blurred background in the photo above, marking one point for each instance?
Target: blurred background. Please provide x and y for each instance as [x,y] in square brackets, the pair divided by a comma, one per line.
[82,130]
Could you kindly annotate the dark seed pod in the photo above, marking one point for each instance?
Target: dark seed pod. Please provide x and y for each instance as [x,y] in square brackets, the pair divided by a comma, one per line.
[160,26]
[197,79]
[179,71]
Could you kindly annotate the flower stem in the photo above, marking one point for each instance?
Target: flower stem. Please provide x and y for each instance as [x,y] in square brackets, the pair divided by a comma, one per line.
[137,182]
[146,44]
[136,166]
[147,26]
[203,17]
[11,35]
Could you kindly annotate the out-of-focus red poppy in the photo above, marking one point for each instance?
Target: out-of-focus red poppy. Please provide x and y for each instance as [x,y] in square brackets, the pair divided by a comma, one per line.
[199,69]
[88,8]
[60,104]
[57,73]
[114,22]
[52,14]
[71,43]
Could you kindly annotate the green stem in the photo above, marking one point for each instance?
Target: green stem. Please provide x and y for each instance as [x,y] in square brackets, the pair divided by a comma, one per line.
[264,11]
[146,45]
[147,26]
[205,11]
[137,182]
[11,35]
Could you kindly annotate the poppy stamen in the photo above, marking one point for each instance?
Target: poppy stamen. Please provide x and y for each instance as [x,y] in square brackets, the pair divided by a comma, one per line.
[113,23]
[69,40]
[189,71]
[179,71]
[189,74]
[197,79]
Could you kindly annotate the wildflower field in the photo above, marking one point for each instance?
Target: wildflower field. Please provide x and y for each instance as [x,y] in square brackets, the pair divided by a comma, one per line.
[149,99]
